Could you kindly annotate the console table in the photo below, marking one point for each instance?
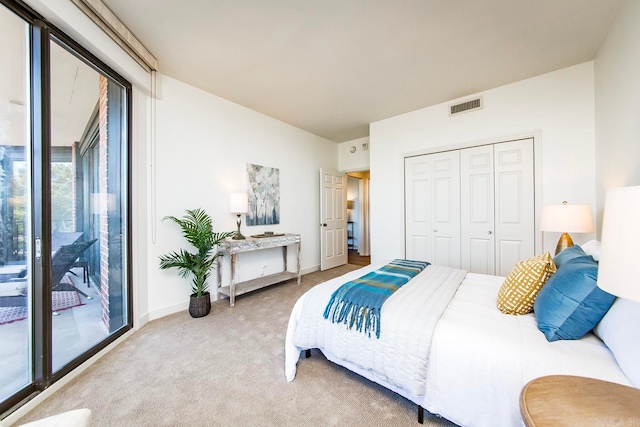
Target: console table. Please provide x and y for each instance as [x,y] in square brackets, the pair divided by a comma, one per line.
[234,247]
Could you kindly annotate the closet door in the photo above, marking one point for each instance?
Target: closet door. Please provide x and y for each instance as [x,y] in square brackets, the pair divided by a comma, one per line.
[432,208]
[514,216]
[477,209]
[417,187]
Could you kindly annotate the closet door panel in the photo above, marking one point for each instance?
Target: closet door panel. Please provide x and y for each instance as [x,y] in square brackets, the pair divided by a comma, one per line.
[417,213]
[445,206]
[432,208]
[514,217]
[477,209]
[511,251]
[481,256]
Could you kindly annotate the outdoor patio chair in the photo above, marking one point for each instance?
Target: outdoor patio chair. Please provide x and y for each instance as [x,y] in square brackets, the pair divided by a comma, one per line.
[63,260]
[13,293]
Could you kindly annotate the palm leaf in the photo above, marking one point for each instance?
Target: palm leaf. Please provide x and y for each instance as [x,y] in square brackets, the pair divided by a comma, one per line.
[197,229]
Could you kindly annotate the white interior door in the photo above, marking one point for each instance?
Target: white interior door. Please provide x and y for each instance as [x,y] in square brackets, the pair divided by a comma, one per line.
[432,208]
[417,187]
[446,209]
[333,219]
[514,216]
[477,210]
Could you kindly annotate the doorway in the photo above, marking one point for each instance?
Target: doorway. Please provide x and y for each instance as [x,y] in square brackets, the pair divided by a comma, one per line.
[358,231]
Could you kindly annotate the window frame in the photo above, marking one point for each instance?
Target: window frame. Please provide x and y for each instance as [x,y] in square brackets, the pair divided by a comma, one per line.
[42,33]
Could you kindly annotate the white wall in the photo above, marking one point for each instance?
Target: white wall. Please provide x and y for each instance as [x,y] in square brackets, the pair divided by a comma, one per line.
[197,158]
[356,161]
[617,105]
[556,108]
[203,146]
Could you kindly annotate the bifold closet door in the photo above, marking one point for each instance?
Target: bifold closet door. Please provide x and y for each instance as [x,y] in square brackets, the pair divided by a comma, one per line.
[477,210]
[514,207]
[497,206]
[432,208]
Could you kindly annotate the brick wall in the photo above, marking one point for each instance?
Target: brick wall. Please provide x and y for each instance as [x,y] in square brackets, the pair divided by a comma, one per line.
[74,184]
[104,229]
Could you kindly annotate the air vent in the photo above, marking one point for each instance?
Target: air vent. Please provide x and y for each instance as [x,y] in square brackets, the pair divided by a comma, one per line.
[474,104]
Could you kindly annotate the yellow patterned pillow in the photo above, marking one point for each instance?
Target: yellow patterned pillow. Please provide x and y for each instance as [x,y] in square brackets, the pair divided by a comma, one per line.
[520,288]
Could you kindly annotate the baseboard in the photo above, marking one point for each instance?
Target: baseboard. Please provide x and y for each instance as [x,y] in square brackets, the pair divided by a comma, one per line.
[166,311]
[142,320]
[308,270]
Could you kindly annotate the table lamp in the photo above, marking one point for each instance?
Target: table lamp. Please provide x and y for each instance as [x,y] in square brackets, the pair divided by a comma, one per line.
[619,265]
[238,204]
[566,218]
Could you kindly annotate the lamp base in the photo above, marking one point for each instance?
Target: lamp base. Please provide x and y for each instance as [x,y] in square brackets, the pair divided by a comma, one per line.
[238,235]
[564,242]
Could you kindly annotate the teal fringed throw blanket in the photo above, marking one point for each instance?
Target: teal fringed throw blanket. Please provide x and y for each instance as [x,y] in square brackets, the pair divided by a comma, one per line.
[358,302]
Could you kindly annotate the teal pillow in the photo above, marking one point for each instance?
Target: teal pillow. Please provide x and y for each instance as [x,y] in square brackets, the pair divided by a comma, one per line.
[571,252]
[570,304]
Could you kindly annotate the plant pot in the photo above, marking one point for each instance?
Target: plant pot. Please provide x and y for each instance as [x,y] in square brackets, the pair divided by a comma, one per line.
[200,306]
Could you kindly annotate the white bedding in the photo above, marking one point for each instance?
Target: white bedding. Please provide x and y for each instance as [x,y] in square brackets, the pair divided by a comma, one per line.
[412,311]
[484,358]
[473,370]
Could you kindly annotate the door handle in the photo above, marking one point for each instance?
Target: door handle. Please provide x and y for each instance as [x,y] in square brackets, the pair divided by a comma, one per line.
[435,230]
[489,232]
[323,225]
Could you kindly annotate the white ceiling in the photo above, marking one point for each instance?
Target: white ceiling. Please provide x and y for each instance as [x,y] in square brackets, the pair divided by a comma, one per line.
[331,67]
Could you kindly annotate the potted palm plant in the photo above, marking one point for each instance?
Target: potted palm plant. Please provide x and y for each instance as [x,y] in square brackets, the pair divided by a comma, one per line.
[197,228]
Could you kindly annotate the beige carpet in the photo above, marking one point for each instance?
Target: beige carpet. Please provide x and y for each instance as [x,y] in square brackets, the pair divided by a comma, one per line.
[227,369]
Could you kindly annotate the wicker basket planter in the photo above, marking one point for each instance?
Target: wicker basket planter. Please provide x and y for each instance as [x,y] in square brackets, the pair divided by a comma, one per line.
[200,306]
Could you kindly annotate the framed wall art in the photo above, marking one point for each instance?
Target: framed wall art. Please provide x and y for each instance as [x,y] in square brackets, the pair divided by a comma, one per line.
[264,195]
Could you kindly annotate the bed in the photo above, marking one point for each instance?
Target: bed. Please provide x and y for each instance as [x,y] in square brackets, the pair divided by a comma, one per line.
[447,343]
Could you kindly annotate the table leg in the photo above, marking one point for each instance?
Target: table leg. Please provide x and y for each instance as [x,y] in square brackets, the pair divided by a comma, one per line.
[219,267]
[284,257]
[298,258]
[232,286]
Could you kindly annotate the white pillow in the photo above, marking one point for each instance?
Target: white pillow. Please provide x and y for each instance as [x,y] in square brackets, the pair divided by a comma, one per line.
[620,331]
[592,247]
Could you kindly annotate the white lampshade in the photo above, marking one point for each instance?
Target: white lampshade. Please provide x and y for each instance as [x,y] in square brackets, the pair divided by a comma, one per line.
[238,203]
[566,219]
[619,265]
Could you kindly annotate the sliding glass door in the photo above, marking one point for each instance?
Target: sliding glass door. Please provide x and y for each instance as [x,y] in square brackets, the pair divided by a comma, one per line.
[64,205]
[15,207]
[88,124]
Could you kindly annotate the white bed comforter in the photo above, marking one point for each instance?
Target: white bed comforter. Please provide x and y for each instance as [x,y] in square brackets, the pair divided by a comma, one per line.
[481,358]
[400,357]
[467,364]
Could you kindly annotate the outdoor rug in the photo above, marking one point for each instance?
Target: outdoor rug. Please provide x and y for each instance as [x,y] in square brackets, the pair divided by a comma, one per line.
[59,301]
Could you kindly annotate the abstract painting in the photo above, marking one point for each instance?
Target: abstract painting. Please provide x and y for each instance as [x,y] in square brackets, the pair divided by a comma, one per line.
[264,195]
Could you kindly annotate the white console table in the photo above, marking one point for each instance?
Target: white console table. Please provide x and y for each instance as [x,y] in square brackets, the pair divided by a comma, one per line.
[234,247]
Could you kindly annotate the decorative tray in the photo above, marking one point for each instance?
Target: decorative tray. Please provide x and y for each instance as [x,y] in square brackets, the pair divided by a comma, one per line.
[259,236]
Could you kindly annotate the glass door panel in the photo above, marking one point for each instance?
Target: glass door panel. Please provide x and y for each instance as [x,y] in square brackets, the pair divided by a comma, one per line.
[88,191]
[15,196]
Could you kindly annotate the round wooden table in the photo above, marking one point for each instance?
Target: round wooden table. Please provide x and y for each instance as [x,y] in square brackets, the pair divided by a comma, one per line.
[564,400]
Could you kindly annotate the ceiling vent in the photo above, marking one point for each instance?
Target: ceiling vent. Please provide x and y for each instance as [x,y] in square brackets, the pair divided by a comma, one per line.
[471,105]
